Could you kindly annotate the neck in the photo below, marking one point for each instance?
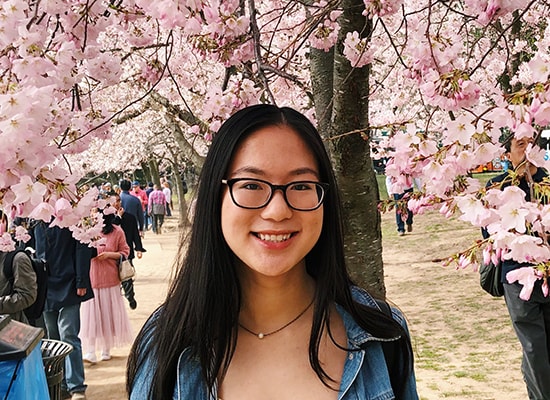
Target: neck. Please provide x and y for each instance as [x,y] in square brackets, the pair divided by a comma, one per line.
[266,308]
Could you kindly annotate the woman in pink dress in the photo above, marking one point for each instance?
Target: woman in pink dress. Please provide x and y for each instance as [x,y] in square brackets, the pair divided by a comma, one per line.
[105,322]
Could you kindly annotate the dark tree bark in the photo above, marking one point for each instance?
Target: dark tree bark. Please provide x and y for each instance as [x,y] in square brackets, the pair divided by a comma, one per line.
[343,109]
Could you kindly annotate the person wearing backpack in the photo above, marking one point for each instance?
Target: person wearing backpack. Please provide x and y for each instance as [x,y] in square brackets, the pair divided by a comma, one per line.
[68,286]
[19,292]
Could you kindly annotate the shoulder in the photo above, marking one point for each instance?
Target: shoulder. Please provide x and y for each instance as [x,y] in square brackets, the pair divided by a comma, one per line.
[363,297]
[540,174]
[118,230]
[497,179]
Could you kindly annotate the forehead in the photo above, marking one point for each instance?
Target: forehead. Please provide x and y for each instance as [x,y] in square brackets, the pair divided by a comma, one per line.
[274,150]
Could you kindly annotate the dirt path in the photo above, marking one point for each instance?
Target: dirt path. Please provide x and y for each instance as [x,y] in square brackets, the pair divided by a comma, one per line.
[464,345]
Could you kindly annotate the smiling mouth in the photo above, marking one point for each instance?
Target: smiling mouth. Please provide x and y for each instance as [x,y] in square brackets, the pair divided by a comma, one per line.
[274,238]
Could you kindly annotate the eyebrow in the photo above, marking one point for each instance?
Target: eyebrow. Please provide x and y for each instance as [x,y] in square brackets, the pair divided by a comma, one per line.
[257,171]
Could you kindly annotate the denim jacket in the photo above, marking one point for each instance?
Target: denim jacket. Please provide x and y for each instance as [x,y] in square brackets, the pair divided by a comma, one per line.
[365,374]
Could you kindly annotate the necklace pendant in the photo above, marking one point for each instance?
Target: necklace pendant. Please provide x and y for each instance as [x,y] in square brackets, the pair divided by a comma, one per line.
[260,335]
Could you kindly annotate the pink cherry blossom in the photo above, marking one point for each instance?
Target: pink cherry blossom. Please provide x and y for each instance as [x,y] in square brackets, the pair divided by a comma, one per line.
[535,155]
[27,190]
[42,212]
[527,249]
[357,50]
[6,243]
[473,210]
[539,67]
[381,7]
[461,130]
[526,276]
[21,234]
[542,114]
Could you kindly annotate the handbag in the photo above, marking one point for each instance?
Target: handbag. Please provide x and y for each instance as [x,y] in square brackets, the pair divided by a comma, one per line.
[490,279]
[125,269]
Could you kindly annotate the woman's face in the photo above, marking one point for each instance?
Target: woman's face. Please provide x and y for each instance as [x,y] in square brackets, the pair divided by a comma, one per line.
[274,239]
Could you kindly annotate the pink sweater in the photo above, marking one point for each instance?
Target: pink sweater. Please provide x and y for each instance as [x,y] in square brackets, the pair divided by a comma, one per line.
[104,273]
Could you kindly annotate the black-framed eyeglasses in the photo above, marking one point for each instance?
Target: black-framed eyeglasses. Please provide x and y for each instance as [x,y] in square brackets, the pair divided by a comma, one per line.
[256,193]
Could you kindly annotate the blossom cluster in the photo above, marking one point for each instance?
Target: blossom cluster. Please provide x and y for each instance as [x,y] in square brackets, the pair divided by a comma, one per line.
[381,8]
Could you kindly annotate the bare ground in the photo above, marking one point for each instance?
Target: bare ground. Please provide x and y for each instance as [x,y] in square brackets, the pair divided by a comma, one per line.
[464,345]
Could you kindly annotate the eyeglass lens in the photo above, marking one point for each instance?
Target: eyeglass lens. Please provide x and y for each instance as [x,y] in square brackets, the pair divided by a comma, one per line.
[300,195]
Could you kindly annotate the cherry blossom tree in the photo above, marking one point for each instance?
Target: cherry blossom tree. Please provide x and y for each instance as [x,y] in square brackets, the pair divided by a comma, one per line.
[89,84]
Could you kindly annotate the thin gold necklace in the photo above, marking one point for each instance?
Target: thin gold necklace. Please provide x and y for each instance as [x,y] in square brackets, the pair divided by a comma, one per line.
[261,335]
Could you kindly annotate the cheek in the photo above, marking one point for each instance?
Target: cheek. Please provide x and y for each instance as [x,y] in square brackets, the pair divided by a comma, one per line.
[228,216]
[316,224]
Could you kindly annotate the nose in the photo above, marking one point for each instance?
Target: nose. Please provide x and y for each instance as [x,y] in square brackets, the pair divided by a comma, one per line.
[277,209]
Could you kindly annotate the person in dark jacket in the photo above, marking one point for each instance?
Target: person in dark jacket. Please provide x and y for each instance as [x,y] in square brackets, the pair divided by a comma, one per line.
[20,293]
[68,286]
[131,204]
[128,224]
[530,318]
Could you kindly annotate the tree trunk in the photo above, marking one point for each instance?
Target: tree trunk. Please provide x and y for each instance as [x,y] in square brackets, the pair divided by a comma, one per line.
[351,154]
[182,204]
[154,169]
[146,172]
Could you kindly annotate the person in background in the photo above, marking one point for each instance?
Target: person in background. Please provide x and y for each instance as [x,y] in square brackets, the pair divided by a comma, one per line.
[146,216]
[128,224]
[399,191]
[262,305]
[20,292]
[105,190]
[168,195]
[138,192]
[157,208]
[105,320]
[530,318]
[131,204]
[68,287]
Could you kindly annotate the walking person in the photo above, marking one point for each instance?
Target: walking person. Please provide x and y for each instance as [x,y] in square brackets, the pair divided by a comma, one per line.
[131,204]
[262,305]
[400,191]
[141,194]
[105,322]
[146,217]
[68,287]
[168,195]
[157,208]
[530,318]
[128,224]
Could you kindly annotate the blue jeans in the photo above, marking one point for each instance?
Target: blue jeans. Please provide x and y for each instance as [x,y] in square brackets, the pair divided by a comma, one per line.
[64,325]
[146,220]
[531,321]
[400,210]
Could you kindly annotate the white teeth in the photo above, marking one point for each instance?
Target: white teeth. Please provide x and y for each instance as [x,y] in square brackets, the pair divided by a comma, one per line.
[274,238]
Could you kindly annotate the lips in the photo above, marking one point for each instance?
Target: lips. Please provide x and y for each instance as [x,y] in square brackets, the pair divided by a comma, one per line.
[276,238]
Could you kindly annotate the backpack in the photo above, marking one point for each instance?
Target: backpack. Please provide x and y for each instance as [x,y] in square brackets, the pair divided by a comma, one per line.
[391,352]
[41,270]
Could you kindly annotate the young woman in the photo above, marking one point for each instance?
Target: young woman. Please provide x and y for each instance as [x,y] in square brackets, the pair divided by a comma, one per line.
[262,306]
[105,322]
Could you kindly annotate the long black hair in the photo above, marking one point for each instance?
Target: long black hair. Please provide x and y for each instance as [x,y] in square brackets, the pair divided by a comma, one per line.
[203,302]
[108,220]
